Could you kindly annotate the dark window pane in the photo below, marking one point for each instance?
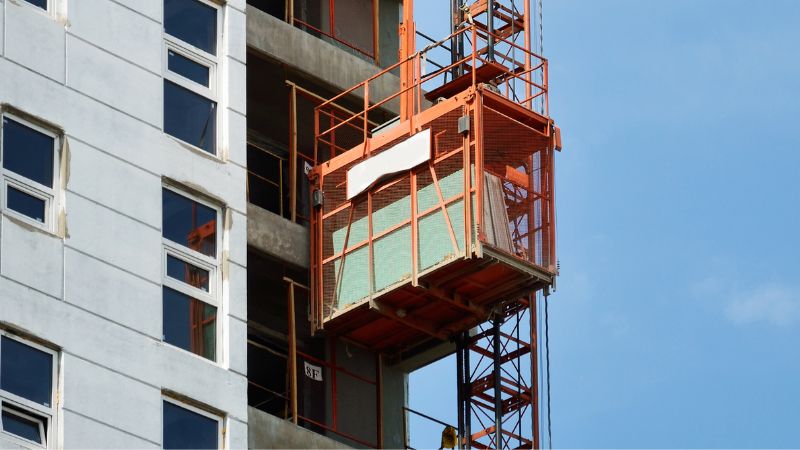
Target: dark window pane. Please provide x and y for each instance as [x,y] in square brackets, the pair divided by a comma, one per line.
[192,22]
[189,323]
[275,8]
[26,371]
[189,274]
[190,117]
[25,203]
[264,163]
[185,67]
[27,152]
[40,3]
[187,429]
[189,223]
[21,426]
[263,193]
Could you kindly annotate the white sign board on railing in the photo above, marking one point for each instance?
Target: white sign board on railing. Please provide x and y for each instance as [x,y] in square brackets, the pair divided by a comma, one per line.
[403,156]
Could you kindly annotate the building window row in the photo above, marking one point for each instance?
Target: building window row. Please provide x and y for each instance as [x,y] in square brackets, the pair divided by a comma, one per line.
[28,402]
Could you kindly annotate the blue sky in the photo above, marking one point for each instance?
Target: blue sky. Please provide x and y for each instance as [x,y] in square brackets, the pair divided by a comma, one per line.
[677,318]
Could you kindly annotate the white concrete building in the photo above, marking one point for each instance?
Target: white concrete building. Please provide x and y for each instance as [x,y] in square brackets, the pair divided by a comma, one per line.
[123,236]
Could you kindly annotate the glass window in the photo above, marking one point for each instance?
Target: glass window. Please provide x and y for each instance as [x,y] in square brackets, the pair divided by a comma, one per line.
[23,424]
[26,371]
[190,117]
[188,273]
[187,68]
[187,429]
[40,3]
[26,204]
[28,152]
[192,22]
[189,223]
[190,323]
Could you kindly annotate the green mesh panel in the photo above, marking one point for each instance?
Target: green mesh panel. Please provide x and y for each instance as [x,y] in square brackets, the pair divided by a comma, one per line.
[450,185]
[393,251]
[354,285]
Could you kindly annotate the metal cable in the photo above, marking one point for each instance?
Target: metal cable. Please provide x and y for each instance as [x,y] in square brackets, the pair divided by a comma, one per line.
[547,356]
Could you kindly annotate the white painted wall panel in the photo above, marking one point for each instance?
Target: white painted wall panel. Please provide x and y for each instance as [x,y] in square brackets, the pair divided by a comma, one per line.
[115,183]
[35,40]
[237,277]
[33,258]
[113,293]
[121,31]
[237,146]
[2,29]
[237,77]
[237,36]
[81,432]
[149,8]
[114,81]
[238,434]
[237,337]
[238,236]
[112,237]
[121,402]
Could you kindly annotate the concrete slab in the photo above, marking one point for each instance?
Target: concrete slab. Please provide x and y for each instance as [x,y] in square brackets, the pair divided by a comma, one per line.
[302,51]
[277,237]
[268,431]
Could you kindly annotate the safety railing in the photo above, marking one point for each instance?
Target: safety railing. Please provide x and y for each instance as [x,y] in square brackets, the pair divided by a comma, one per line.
[522,80]
[326,25]
[320,369]
[407,426]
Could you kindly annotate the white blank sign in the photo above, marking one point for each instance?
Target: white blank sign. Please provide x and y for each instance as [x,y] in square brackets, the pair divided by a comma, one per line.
[403,156]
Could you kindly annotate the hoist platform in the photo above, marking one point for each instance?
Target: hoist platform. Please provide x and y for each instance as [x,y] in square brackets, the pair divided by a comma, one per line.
[421,229]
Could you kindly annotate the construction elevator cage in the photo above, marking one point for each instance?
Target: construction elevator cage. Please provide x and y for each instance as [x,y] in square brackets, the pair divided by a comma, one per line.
[426,248]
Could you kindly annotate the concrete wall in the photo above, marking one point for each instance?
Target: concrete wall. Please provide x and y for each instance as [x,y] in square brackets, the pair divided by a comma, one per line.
[322,61]
[95,290]
[277,237]
[268,431]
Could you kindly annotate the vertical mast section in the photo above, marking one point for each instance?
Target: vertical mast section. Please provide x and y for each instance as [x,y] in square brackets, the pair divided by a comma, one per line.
[408,35]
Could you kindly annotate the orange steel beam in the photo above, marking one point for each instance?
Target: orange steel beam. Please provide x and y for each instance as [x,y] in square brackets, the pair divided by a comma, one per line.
[408,34]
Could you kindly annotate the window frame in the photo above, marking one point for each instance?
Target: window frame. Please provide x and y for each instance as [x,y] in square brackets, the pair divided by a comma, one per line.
[213,264]
[220,419]
[210,297]
[213,62]
[48,10]
[49,413]
[27,185]
[26,415]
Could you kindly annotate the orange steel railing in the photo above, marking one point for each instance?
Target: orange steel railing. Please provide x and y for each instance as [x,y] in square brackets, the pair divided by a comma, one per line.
[522,164]
[517,76]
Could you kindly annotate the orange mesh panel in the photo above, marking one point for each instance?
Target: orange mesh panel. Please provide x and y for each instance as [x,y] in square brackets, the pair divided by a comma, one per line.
[519,156]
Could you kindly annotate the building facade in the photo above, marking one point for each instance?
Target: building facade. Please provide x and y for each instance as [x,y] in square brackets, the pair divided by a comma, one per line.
[154,213]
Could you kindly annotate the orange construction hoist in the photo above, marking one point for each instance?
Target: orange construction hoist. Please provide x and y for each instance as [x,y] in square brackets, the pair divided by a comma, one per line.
[440,224]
